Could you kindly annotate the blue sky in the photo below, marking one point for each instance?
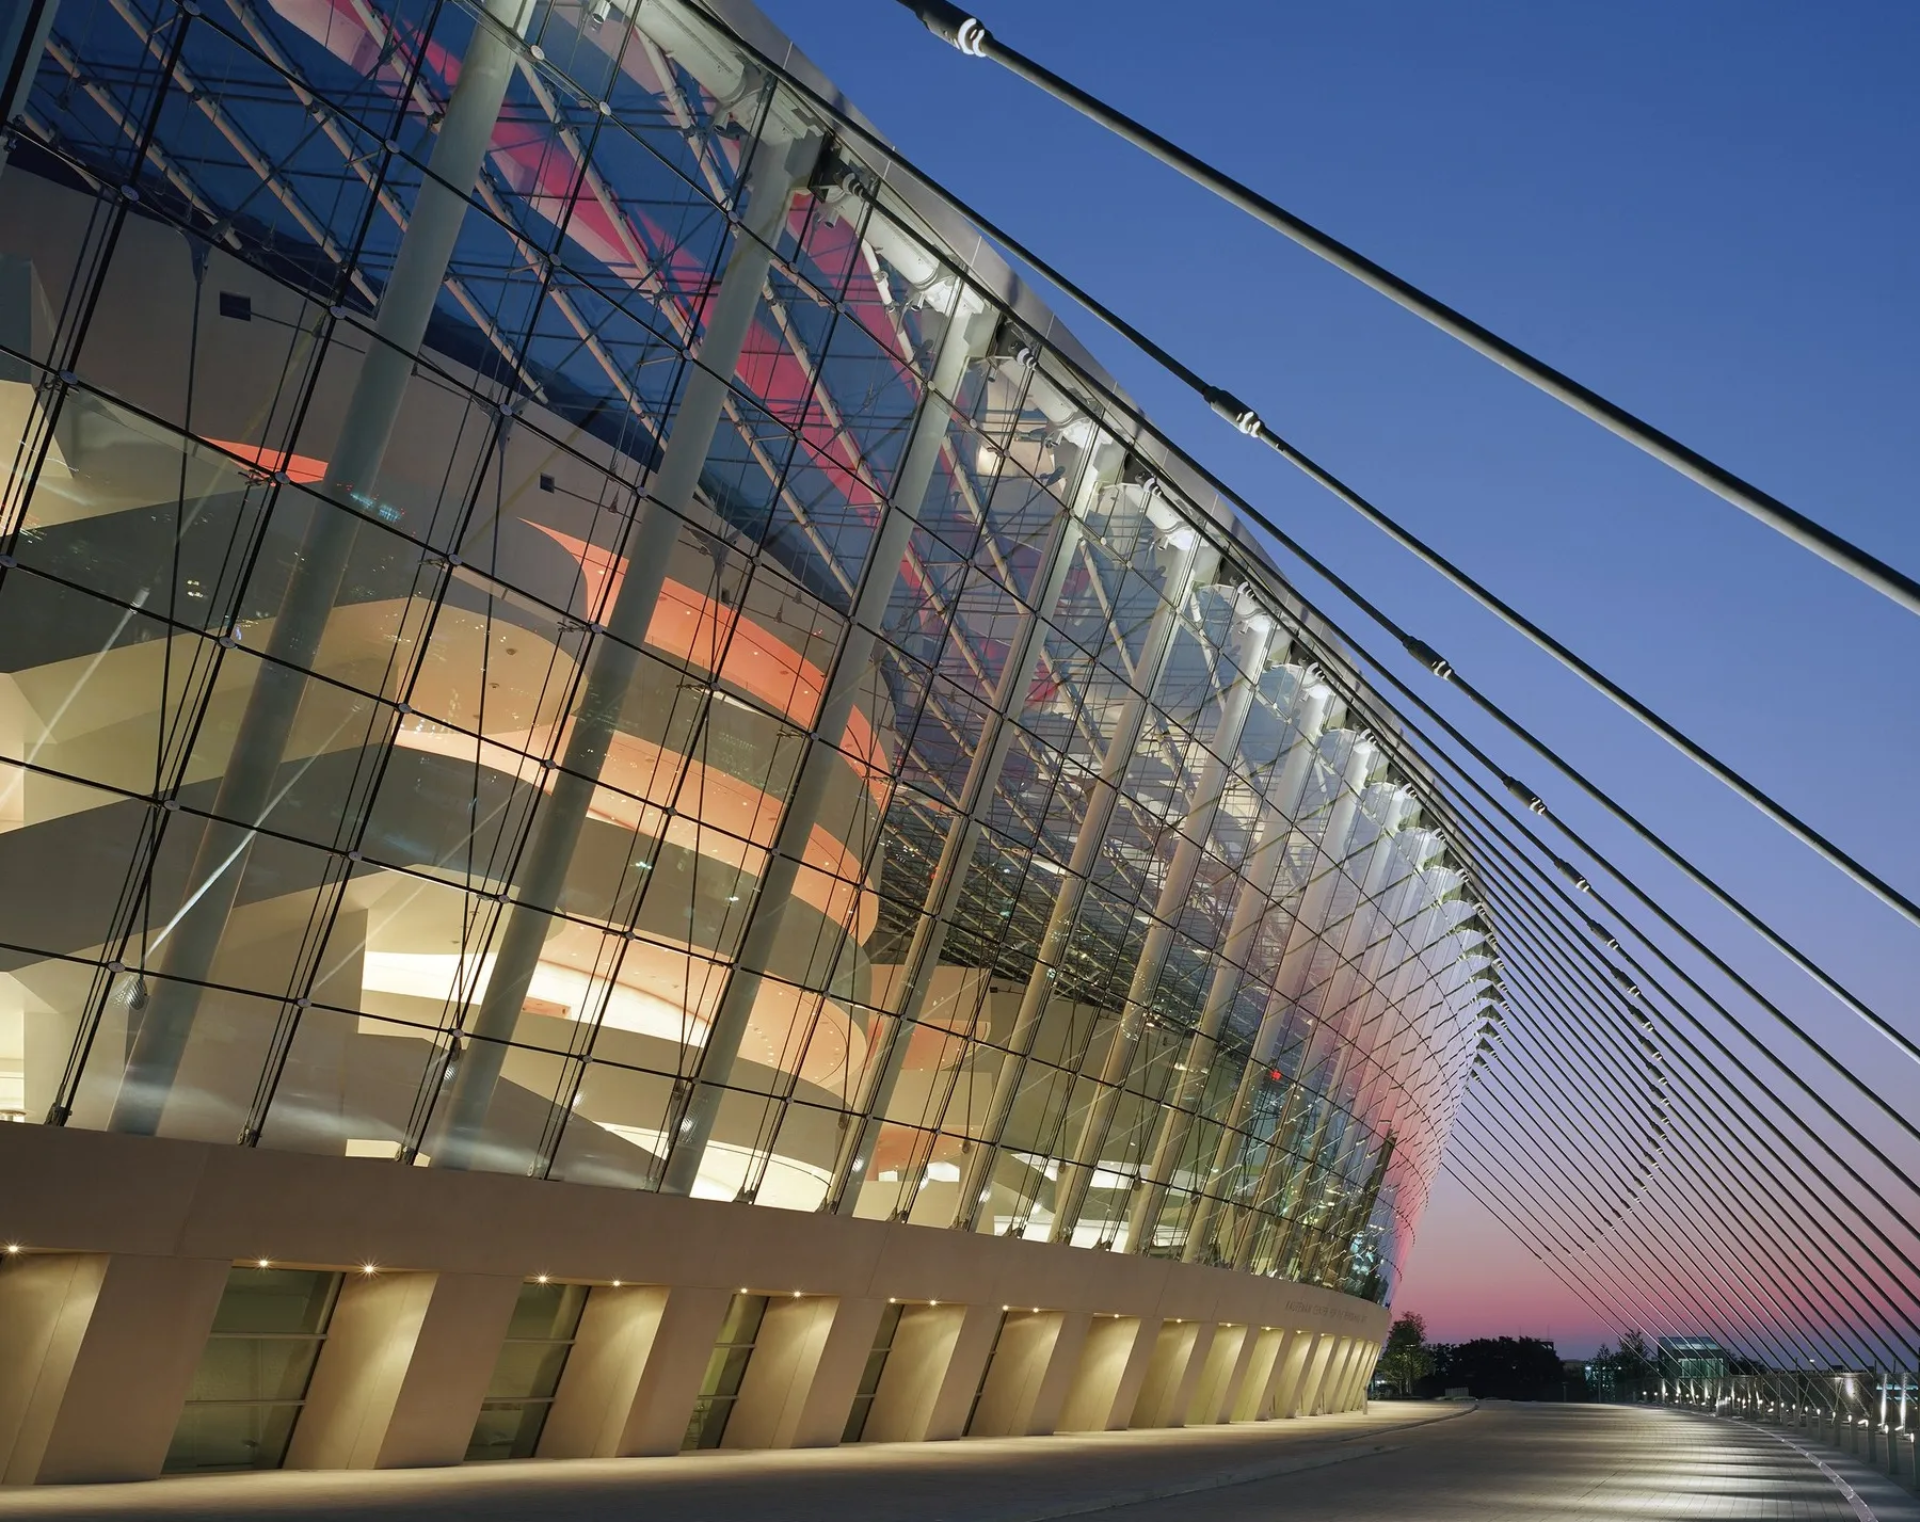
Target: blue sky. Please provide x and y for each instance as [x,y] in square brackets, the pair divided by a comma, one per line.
[1707,212]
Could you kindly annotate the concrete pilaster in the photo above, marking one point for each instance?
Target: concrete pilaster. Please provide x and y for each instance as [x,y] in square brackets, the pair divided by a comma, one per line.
[1354,1395]
[1256,1375]
[1179,1357]
[1113,1367]
[96,1356]
[1304,1359]
[1342,1398]
[1033,1369]
[403,1371]
[635,1372]
[805,1369]
[1326,1398]
[1313,1394]
[938,1354]
[1226,1363]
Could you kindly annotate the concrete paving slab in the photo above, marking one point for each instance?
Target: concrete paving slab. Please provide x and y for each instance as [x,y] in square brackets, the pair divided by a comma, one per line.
[1411,1462]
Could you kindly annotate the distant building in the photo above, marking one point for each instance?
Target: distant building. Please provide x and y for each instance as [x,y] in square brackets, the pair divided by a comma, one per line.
[1692,1358]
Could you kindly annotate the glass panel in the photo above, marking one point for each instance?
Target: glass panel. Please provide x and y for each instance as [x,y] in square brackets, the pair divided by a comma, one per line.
[507,1431]
[253,1374]
[217,1437]
[294,767]
[277,1301]
[726,1368]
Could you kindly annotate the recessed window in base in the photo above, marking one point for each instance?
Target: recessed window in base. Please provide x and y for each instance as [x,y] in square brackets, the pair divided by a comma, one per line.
[252,1380]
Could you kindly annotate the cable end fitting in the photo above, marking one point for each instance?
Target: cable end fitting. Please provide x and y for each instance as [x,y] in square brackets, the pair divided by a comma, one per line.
[1534,802]
[1429,657]
[1573,875]
[1627,986]
[1235,411]
[952,25]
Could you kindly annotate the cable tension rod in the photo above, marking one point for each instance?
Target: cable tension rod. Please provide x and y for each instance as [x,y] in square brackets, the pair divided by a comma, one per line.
[967,33]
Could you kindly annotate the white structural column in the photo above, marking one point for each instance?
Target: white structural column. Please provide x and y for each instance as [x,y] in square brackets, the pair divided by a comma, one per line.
[969,327]
[956,854]
[1362,1376]
[1331,1042]
[1379,890]
[1259,873]
[245,794]
[1307,1400]
[1333,1396]
[1418,896]
[1430,923]
[779,167]
[1184,558]
[1335,840]
[1405,907]
[1419,899]
[1426,921]
[1252,646]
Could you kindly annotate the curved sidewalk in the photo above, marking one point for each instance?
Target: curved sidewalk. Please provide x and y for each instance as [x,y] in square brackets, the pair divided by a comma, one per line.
[1410,1462]
[972,1480]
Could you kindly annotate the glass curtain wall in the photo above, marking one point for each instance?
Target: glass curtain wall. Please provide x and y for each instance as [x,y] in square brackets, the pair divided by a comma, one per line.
[550,623]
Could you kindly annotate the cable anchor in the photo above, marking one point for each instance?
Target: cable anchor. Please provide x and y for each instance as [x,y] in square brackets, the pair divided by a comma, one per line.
[952,25]
[1235,411]
[1429,657]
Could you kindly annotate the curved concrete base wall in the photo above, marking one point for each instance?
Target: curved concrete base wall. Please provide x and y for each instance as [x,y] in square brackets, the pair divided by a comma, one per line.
[125,1244]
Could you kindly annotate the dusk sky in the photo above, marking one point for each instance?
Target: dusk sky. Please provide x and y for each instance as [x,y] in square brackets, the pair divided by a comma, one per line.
[1706,212]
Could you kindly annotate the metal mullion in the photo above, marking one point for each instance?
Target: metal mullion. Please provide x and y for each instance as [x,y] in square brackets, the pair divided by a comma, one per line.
[999,735]
[1265,1185]
[1334,836]
[249,155]
[324,116]
[1474,785]
[491,199]
[177,177]
[1179,570]
[997,556]
[1351,1049]
[1214,774]
[853,666]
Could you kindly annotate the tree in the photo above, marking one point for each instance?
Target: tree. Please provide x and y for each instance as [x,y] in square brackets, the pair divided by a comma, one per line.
[1406,1358]
[1627,1373]
[1500,1368]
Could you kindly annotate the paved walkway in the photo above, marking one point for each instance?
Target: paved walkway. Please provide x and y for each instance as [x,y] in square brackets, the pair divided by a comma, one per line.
[1398,1462]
